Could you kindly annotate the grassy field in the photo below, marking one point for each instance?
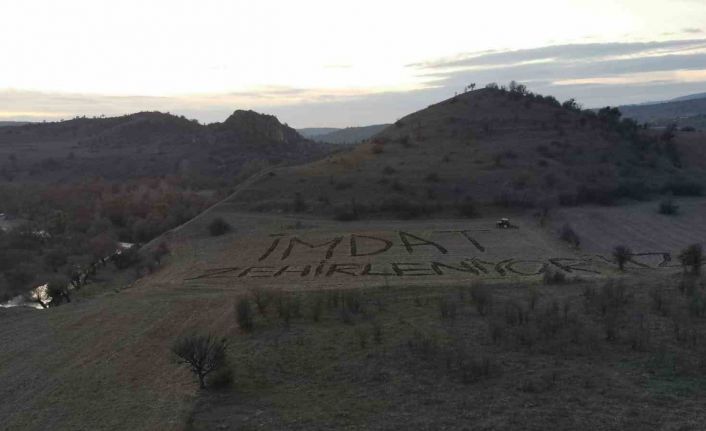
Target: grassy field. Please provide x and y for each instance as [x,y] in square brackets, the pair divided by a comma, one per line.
[414,350]
[426,358]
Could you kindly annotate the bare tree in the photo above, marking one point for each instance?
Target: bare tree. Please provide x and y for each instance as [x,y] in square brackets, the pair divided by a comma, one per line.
[622,255]
[203,354]
[692,257]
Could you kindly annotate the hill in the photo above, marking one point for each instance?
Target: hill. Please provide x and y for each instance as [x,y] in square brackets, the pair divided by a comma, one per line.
[687,111]
[350,135]
[149,144]
[488,147]
[311,132]
[12,123]
[384,323]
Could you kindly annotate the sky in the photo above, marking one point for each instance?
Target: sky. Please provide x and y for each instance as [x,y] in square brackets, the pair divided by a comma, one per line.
[323,63]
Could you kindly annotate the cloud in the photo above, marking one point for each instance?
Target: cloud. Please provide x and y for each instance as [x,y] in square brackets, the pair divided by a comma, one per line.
[692,30]
[596,74]
[569,52]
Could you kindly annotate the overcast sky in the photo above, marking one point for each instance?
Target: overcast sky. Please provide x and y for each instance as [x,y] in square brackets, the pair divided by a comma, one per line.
[337,63]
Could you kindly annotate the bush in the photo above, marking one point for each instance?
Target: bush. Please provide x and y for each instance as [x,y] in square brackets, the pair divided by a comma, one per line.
[568,235]
[127,258]
[467,208]
[692,258]
[553,276]
[482,299]
[611,298]
[203,354]
[218,227]
[346,213]
[683,188]
[432,178]
[299,203]
[447,308]
[262,298]
[668,207]
[621,254]
[58,290]
[221,378]
[244,314]
[659,300]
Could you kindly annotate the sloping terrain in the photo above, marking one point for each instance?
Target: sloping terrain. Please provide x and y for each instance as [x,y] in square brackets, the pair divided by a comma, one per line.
[104,363]
[381,323]
[350,135]
[148,144]
[490,147]
[685,111]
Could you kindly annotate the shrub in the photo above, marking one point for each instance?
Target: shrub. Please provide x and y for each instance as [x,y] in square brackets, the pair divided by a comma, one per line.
[474,369]
[447,308]
[692,257]
[683,188]
[467,208]
[299,204]
[221,378]
[377,332]
[569,235]
[622,254]
[202,354]
[423,344]
[218,226]
[362,336]
[345,213]
[244,314]
[611,298]
[262,298]
[160,251]
[553,276]
[58,290]
[482,299]
[659,300]
[127,258]
[317,307]
[697,305]
[532,298]
[668,207]
[432,178]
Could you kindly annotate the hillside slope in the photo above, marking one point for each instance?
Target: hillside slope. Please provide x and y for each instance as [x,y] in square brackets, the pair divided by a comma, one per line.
[350,135]
[686,111]
[488,146]
[148,144]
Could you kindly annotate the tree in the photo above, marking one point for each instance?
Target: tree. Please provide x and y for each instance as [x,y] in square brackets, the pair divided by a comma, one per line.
[692,257]
[622,255]
[569,235]
[160,251]
[203,354]
[58,290]
[127,258]
[218,227]
[244,314]
[102,247]
[572,105]
[55,258]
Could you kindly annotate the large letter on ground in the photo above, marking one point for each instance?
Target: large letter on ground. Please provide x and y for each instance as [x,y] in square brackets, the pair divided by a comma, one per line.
[404,236]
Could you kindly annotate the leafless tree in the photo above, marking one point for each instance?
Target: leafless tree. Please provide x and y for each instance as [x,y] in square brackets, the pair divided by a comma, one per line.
[203,354]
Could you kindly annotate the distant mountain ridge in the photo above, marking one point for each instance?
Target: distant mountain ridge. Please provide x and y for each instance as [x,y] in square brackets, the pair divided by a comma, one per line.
[12,123]
[310,132]
[348,135]
[685,111]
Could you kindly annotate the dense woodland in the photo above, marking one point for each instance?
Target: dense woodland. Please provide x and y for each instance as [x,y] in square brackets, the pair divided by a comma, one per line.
[63,228]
